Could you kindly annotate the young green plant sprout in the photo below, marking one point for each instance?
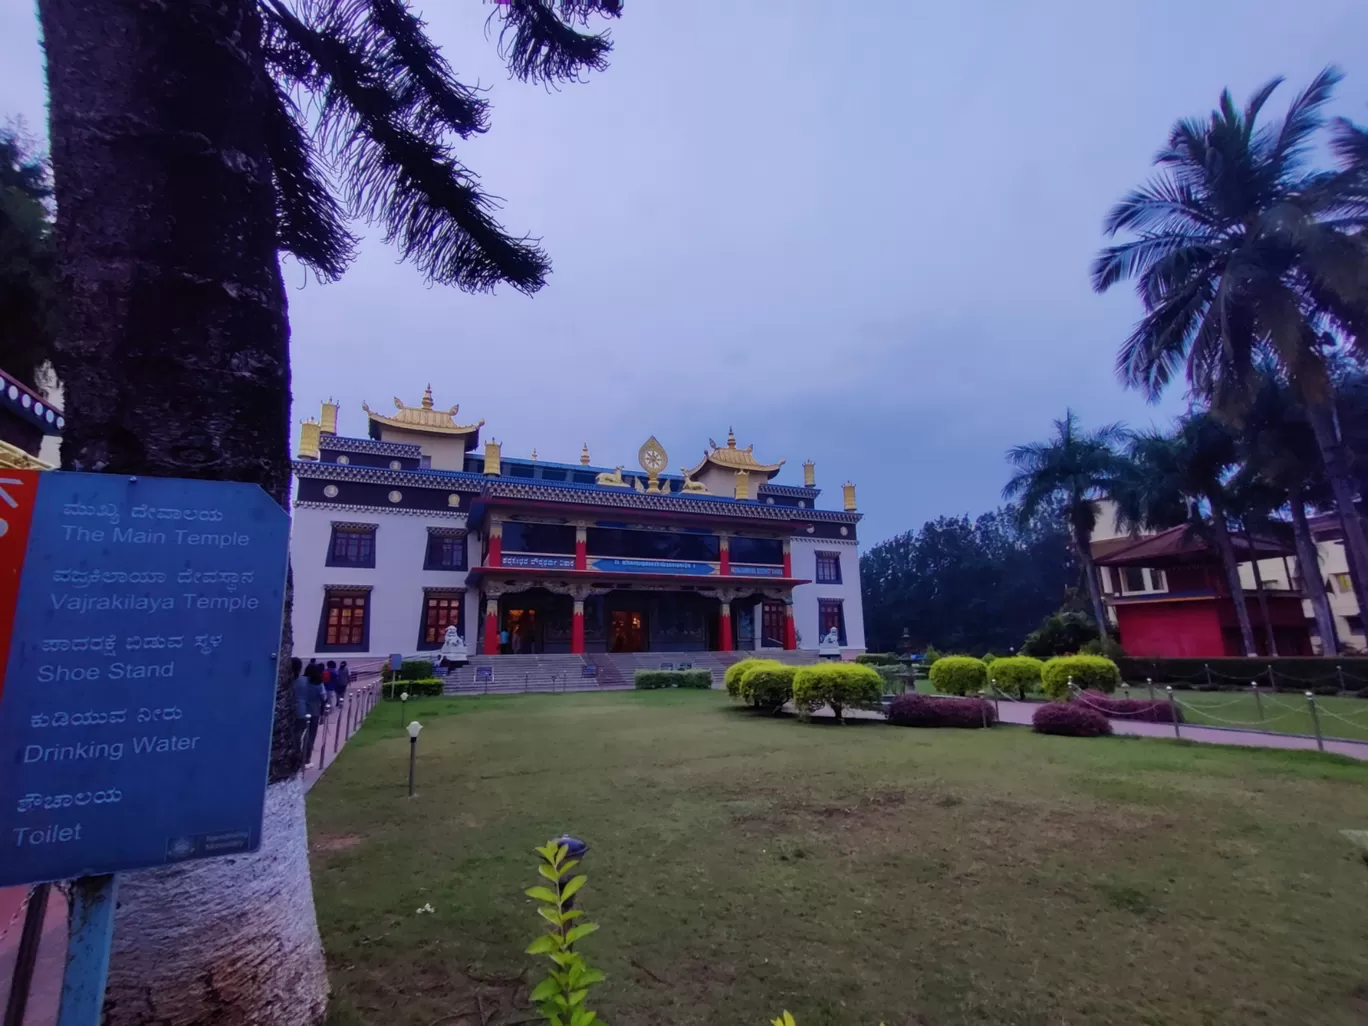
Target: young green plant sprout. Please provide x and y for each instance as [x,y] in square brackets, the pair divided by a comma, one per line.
[560,997]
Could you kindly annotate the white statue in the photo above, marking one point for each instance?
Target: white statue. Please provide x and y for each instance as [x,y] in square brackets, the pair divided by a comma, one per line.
[454,647]
[830,643]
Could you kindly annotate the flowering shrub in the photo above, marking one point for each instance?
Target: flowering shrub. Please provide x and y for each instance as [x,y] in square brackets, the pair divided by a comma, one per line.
[959,675]
[923,711]
[837,685]
[732,678]
[1016,675]
[1085,670]
[768,686]
[1071,719]
[1138,710]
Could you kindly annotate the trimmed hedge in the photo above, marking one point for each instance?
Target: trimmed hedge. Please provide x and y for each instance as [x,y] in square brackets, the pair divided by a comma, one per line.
[836,684]
[1136,710]
[1297,673]
[1088,672]
[1016,674]
[409,669]
[653,680]
[1070,719]
[879,658]
[732,678]
[769,685]
[959,675]
[432,687]
[925,711]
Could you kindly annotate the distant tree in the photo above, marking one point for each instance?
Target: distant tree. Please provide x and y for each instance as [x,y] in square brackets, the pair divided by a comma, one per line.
[1243,252]
[1061,633]
[193,142]
[1070,472]
[26,259]
[965,586]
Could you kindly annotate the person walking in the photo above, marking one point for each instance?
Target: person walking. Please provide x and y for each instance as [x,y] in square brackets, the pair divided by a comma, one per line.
[330,682]
[310,696]
[343,679]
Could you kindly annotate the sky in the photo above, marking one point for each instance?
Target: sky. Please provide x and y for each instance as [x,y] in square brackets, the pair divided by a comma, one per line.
[858,234]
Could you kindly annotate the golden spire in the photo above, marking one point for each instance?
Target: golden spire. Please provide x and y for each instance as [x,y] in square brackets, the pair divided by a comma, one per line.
[584,454]
[327,420]
[849,490]
[534,452]
[731,439]
[810,474]
[427,397]
[491,458]
[308,440]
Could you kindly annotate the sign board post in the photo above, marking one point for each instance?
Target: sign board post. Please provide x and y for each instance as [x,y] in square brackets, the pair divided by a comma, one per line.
[139,636]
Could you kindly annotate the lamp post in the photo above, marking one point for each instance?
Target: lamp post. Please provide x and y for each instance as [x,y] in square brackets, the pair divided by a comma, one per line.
[403,705]
[413,729]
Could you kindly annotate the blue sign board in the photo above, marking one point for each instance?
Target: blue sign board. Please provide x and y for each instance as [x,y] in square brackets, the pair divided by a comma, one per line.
[139,689]
[613,565]
[539,562]
[588,670]
[750,570]
[484,675]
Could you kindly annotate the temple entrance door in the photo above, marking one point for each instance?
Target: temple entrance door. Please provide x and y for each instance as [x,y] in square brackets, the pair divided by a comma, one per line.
[772,619]
[626,631]
[522,627]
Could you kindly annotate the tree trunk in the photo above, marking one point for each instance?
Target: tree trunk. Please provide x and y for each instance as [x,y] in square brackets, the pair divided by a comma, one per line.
[1335,456]
[1308,563]
[1232,571]
[173,350]
[1083,546]
[1269,638]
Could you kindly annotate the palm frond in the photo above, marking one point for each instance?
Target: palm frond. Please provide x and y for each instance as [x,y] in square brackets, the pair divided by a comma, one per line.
[540,42]
[1157,346]
[1171,251]
[1163,205]
[431,206]
[309,222]
[1350,144]
[1303,118]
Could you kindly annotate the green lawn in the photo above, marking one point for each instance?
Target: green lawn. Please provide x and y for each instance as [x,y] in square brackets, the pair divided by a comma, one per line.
[744,864]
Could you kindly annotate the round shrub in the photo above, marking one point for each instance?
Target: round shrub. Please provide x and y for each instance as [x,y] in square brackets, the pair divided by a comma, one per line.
[1070,719]
[1088,673]
[836,684]
[768,685]
[924,711]
[1016,675]
[732,678]
[959,675]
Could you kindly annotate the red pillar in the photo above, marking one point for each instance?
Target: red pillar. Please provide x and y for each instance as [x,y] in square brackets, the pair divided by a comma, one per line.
[725,560]
[724,627]
[495,544]
[790,631]
[788,560]
[581,551]
[491,627]
[577,628]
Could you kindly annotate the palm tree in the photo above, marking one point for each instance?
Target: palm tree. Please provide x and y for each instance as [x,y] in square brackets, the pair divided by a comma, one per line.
[1242,252]
[1073,469]
[192,144]
[1171,478]
[1279,447]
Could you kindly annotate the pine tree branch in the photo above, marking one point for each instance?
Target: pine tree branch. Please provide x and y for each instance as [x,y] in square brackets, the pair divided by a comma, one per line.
[540,43]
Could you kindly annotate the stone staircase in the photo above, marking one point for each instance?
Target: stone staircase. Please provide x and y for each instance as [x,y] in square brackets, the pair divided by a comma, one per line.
[595,671]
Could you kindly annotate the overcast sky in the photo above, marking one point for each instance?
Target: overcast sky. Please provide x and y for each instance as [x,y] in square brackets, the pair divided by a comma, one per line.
[859,233]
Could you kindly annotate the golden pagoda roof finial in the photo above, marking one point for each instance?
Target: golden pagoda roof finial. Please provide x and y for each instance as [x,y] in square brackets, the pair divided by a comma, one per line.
[731,439]
[427,397]
[733,457]
[584,454]
[423,418]
[534,452]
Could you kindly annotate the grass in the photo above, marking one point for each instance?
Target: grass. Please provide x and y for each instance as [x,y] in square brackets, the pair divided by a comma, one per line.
[744,864]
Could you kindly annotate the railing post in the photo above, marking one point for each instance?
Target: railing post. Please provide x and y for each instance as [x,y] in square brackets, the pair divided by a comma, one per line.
[1258,702]
[983,709]
[1173,711]
[1315,720]
[1207,667]
[1149,683]
[1339,673]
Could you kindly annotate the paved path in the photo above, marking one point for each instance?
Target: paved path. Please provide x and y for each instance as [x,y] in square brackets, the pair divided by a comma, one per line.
[1021,712]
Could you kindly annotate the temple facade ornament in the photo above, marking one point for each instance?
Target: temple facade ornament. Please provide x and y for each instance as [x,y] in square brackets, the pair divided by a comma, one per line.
[613,480]
[492,453]
[809,474]
[653,460]
[584,455]
[423,418]
[690,485]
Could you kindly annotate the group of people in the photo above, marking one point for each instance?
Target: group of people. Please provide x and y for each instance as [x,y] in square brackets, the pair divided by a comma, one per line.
[318,688]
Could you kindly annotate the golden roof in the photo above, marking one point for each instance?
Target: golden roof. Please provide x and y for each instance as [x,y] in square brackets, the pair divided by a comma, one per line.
[14,458]
[730,457]
[424,418]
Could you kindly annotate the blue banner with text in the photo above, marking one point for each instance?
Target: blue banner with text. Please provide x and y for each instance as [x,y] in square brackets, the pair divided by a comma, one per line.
[139,692]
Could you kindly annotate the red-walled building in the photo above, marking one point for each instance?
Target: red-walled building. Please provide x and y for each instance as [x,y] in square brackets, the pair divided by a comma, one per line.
[1182,605]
